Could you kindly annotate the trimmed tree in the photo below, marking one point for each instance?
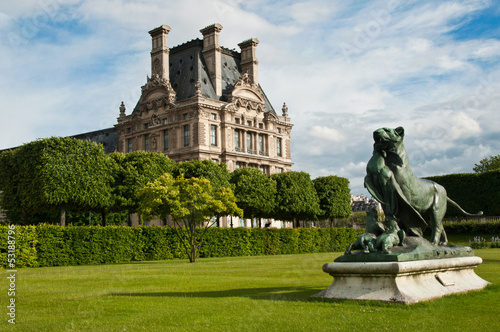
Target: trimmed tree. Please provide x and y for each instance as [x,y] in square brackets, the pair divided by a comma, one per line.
[255,192]
[217,174]
[192,203]
[134,170]
[56,174]
[296,197]
[334,197]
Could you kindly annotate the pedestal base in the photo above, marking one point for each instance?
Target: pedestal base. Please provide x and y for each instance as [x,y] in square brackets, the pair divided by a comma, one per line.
[402,282]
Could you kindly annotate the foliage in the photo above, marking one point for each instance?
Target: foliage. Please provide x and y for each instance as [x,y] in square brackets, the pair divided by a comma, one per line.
[191,203]
[217,174]
[26,243]
[255,192]
[472,191]
[334,197]
[134,171]
[55,174]
[472,227]
[53,245]
[296,197]
[492,163]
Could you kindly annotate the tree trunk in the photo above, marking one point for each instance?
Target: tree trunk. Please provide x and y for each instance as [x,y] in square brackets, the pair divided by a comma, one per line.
[63,216]
[103,217]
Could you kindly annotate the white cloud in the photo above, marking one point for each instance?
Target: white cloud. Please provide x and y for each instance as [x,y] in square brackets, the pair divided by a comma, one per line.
[328,134]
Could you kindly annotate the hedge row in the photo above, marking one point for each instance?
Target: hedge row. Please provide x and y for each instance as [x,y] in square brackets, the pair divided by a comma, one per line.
[472,227]
[472,191]
[52,245]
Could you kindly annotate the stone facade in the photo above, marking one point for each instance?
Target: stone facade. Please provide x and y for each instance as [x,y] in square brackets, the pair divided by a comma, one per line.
[362,203]
[204,101]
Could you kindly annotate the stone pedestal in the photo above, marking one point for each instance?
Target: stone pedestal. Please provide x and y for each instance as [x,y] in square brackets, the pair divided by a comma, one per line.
[402,282]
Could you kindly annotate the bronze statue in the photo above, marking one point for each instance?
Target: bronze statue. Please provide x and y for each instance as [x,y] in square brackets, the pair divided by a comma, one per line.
[410,203]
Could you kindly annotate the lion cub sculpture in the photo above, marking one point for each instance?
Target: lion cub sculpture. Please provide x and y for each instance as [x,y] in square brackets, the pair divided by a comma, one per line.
[378,236]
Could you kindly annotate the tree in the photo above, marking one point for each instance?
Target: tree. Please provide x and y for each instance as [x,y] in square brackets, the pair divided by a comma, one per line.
[296,197]
[191,202]
[217,174]
[334,197]
[491,163]
[255,192]
[56,174]
[134,170]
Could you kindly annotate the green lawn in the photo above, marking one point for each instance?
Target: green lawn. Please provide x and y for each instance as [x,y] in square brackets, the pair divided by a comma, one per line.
[267,293]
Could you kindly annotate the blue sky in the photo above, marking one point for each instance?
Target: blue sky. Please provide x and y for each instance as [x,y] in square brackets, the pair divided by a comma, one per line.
[344,68]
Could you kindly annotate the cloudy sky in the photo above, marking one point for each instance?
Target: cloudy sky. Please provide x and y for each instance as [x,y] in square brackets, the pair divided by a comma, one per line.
[344,68]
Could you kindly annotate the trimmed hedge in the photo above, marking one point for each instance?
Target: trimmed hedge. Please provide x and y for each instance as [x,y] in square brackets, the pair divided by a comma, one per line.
[472,191]
[472,227]
[53,245]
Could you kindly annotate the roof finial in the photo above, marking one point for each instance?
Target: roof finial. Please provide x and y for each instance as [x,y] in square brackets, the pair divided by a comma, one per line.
[122,110]
[285,109]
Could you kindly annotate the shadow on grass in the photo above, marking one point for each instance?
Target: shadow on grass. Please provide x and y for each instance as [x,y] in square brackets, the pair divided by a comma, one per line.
[273,294]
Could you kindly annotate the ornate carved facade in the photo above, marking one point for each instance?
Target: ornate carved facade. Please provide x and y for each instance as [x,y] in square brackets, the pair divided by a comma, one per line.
[204,101]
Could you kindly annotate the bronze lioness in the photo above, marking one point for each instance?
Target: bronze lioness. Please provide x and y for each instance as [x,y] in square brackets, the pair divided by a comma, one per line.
[413,203]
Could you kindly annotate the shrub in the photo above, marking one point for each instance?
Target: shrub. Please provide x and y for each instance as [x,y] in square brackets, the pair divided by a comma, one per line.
[53,245]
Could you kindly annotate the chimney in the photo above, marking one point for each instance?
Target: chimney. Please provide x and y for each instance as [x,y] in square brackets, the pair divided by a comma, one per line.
[249,59]
[160,52]
[212,55]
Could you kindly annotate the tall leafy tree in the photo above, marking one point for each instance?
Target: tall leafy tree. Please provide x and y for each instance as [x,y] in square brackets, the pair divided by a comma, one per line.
[217,174]
[492,163]
[191,203]
[296,197]
[334,197]
[134,170]
[255,192]
[56,174]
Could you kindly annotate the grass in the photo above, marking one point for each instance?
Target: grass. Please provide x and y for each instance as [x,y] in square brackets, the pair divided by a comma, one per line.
[267,293]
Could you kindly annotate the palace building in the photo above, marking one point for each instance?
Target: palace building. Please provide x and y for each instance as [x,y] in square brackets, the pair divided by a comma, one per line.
[204,101]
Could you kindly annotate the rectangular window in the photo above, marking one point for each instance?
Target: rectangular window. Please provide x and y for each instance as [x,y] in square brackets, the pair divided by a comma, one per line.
[146,142]
[165,121]
[129,143]
[186,135]
[165,140]
[237,144]
[238,165]
[280,170]
[146,125]
[278,147]
[129,130]
[213,116]
[213,135]
[249,143]
[237,120]
[261,144]
[186,116]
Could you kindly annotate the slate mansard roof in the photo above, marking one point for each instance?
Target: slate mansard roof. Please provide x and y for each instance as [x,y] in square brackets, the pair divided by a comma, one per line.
[187,66]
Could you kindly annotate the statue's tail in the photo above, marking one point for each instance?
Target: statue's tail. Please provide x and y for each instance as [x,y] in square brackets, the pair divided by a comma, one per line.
[480,213]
